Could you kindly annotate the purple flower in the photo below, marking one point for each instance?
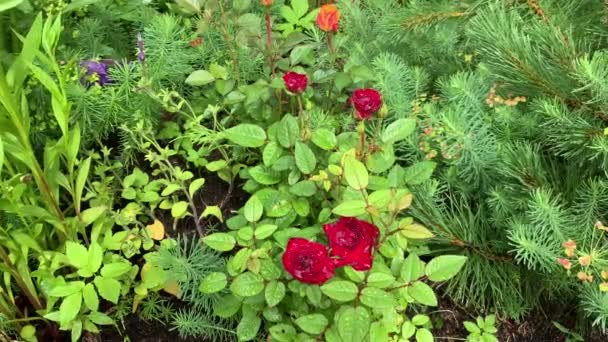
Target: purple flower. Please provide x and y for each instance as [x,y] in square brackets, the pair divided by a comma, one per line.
[141,53]
[96,72]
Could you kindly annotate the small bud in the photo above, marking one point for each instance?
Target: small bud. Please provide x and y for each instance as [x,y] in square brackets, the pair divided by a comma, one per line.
[569,244]
[565,263]
[383,111]
[569,252]
[583,276]
[266,3]
[585,260]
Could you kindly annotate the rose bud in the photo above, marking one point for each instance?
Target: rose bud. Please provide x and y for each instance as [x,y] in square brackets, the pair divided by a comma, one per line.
[328,18]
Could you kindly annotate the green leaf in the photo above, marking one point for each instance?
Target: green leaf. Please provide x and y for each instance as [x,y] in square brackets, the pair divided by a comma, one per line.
[95,256]
[115,269]
[76,331]
[264,231]
[253,209]
[305,188]
[247,284]
[471,327]
[108,288]
[91,300]
[408,329]
[8,4]
[247,135]
[420,319]
[179,209]
[81,179]
[272,153]
[380,280]
[170,189]
[424,335]
[301,53]
[414,231]
[264,175]
[412,268]
[222,242]
[227,306]
[355,173]
[353,324]
[377,299]
[282,333]
[213,210]
[275,291]
[248,327]
[340,290]
[69,308]
[324,138]
[398,130]
[350,208]
[2,149]
[195,186]
[300,7]
[444,267]
[422,293]
[214,282]
[66,289]
[419,172]
[92,214]
[100,318]
[200,78]
[288,131]
[312,324]
[305,158]
[77,254]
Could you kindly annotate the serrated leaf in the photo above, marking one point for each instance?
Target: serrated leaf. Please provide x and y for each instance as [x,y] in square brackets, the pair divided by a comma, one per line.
[444,267]
[312,324]
[248,327]
[66,289]
[247,284]
[253,209]
[353,324]
[423,293]
[412,268]
[77,254]
[340,290]
[419,172]
[324,138]
[355,173]
[288,131]
[108,288]
[415,231]
[264,231]
[377,299]
[350,208]
[305,158]
[275,292]
[69,308]
[272,152]
[222,242]
[115,269]
[398,130]
[91,300]
[90,215]
[214,282]
[380,280]
[247,135]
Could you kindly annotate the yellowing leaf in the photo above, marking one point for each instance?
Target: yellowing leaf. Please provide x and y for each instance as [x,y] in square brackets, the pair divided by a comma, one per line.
[415,231]
[156,230]
[172,287]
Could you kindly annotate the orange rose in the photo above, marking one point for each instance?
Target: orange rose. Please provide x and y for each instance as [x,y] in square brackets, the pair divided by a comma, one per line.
[266,3]
[328,18]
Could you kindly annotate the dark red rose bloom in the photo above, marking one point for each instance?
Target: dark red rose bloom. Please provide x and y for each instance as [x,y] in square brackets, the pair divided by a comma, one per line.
[366,102]
[295,83]
[352,241]
[308,261]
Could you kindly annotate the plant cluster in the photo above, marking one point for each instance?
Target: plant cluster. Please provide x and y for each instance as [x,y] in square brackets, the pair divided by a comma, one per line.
[385,151]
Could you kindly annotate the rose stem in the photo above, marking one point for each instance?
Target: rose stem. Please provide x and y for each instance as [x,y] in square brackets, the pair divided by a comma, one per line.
[269,41]
[331,47]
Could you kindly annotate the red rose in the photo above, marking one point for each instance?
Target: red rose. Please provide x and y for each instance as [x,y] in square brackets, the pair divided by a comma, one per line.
[328,18]
[352,241]
[308,261]
[295,83]
[366,102]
